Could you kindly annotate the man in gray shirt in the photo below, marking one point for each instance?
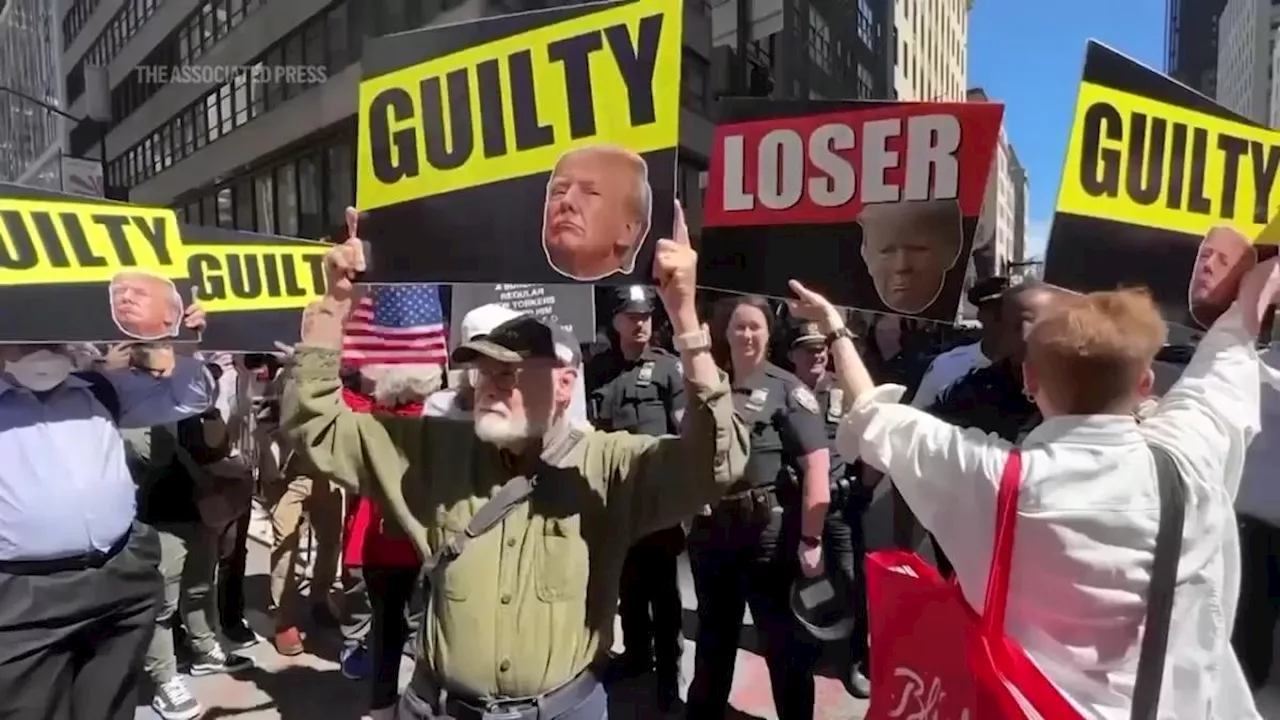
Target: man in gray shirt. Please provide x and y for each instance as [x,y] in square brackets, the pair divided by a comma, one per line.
[78,575]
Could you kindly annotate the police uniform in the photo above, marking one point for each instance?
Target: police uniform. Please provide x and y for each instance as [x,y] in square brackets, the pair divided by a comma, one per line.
[844,544]
[645,396]
[745,551]
[518,615]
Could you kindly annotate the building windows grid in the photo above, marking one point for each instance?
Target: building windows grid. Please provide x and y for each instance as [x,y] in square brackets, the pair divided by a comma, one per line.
[126,23]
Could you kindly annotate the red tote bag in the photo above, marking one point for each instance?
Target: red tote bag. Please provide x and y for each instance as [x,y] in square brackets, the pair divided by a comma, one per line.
[933,657]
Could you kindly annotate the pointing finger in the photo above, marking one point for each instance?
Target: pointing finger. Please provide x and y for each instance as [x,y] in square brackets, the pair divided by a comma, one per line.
[681,230]
[353,220]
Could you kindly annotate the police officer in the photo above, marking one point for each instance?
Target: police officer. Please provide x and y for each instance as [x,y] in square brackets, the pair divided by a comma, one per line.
[639,388]
[748,549]
[843,539]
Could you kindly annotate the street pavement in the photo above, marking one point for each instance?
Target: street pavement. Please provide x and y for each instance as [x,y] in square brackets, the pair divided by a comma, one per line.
[311,685]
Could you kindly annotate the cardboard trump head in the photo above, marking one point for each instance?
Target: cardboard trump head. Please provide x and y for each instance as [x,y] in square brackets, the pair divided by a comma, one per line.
[145,306]
[598,211]
[909,248]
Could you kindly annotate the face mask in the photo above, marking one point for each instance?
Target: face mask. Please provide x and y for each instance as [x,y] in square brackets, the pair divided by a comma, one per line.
[40,371]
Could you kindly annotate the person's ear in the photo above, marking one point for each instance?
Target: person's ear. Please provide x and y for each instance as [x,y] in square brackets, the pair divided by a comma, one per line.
[1147,383]
[1030,380]
[566,381]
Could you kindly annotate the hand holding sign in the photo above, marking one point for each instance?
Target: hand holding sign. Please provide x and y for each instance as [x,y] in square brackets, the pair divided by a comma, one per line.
[344,262]
[1258,292]
[675,265]
[809,305]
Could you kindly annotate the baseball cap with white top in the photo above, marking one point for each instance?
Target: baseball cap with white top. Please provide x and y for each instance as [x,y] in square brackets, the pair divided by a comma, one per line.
[482,320]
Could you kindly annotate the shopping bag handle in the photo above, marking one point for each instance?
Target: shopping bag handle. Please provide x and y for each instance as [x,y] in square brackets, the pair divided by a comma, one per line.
[993,606]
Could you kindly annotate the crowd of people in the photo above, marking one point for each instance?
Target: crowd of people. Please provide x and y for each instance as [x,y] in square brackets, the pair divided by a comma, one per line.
[496,518]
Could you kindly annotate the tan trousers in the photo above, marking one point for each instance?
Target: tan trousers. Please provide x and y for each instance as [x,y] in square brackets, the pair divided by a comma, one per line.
[321,502]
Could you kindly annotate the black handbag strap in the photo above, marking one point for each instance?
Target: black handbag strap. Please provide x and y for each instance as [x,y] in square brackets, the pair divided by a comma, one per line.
[1164,579]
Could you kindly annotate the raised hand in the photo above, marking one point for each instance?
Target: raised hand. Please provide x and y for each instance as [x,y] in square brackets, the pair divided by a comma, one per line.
[675,268]
[343,262]
[809,305]
[194,317]
[1258,291]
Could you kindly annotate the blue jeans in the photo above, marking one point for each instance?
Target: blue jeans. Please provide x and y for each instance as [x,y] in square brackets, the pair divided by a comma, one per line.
[594,707]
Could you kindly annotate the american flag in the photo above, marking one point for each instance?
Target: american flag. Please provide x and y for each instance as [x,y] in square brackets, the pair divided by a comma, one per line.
[397,325]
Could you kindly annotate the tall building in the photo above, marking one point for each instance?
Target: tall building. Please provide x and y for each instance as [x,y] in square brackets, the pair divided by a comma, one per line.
[1021,184]
[1246,33]
[279,156]
[932,49]
[1191,43]
[994,240]
[30,135]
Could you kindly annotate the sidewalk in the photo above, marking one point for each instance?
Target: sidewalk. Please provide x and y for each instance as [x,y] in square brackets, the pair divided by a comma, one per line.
[311,686]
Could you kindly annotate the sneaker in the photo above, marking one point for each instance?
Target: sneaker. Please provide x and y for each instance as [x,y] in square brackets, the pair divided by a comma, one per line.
[355,663]
[173,701]
[288,641]
[218,661]
[240,636]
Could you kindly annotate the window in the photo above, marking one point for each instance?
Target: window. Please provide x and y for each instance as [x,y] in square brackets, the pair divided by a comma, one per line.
[338,55]
[340,178]
[226,217]
[264,196]
[226,109]
[210,111]
[201,119]
[208,210]
[244,205]
[310,197]
[693,82]
[257,94]
[240,98]
[275,86]
[313,37]
[193,213]
[287,197]
[292,62]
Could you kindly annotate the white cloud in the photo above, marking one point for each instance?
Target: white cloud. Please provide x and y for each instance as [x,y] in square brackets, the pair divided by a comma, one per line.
[1037,238]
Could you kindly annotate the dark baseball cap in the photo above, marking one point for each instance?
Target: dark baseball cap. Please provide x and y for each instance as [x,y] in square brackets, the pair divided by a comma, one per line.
[806,333]
[987,290]
[633,299]
[520,339]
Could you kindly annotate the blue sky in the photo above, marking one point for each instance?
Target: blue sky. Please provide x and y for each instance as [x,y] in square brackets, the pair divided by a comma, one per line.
[1028,54]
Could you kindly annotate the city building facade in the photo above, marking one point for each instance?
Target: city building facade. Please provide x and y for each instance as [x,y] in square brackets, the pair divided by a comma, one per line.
[1021,214]
[226,149]
[1246,34]
[931,60]
[993,242]
[1191,43]
[30,134]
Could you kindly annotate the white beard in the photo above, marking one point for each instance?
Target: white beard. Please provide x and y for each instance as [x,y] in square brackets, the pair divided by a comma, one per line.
[502,431]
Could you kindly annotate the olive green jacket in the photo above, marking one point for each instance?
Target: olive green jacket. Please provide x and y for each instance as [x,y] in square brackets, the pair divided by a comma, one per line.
[531,603]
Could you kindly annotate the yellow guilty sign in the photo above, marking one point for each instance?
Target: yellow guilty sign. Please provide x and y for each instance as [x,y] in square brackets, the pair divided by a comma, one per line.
[247,277]
[1137,160]
[509,108]
[46,242]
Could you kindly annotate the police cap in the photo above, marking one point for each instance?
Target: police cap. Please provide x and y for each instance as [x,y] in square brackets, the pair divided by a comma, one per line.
[634,299]
[987,290]
[520,339]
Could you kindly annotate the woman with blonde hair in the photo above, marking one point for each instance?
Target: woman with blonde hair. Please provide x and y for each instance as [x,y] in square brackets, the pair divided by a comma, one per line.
[1089,502]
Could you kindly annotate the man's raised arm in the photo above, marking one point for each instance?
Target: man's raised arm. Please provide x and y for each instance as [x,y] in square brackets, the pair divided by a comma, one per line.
[668,480]
[358,450]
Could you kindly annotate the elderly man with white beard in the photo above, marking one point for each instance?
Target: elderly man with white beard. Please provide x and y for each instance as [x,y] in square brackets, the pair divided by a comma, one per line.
[525,518]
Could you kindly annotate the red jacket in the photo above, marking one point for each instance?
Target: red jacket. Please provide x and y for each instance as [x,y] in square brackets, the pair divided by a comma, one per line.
[368,539]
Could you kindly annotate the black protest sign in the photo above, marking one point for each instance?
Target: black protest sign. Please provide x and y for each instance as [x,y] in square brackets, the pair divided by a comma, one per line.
[82,269]
[872,204]
[1162,188]
[536,147]
[569,306]
[254,287]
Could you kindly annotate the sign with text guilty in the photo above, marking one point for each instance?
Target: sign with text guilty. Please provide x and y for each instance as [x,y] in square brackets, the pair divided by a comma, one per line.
[533,147]
[841,193]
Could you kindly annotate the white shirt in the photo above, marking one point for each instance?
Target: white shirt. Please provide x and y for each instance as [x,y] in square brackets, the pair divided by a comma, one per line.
[1087,518]
[1259,490]
[945,370]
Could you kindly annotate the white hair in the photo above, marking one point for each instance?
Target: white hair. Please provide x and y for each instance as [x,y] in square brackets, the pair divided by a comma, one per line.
[399,384]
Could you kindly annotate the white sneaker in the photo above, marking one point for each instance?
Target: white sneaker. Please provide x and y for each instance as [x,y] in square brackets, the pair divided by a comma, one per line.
[173,701]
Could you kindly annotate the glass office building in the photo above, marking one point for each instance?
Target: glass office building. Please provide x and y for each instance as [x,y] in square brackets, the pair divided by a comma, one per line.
[29,134]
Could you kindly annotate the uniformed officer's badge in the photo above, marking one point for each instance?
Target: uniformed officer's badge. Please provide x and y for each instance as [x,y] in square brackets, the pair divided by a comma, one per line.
[680,368]
[646,374]
[805,399]
[758,398]
[835,407]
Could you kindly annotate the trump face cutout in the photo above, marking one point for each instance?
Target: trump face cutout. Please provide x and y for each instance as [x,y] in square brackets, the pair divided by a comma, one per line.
[908,249]
[597,213]
[145,306]
[1224,258]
